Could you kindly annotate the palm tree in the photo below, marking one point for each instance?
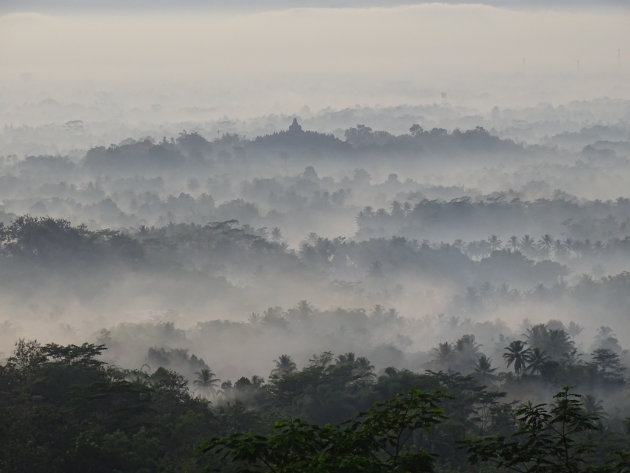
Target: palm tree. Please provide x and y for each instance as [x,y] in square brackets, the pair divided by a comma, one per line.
[363,367]
[537,336]
[484,370]
[527,245]
[514,244]
[594,407]
[206,380]
[546,243]
[555,343]
[561,346]
[346,358]
[443,354]
[466,343]
[362,371]
[284,365]
[495,243]
[537,359]
[517,354]
[466,354]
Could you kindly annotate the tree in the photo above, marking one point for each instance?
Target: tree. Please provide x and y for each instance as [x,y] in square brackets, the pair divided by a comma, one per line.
[382,439]
[415,130]
[549,439]
[608,364]
[546,244]
[444,354]
[555,343]
[518,355]
[484,371]
[536,360]
[28,354]
[514,244]
[606,338]
[206,380]
[495,243]
[466,354]
[64,410]
[284,365]
[527,245]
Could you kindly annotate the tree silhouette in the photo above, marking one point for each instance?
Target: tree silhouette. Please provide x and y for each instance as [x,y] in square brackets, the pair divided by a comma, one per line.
[555,343]
[528,245]
[608,363]
[517,354]
[546,243]
[284,365]
[495,243]
[536,360]
[379,440]
[549,439]
[206,380]
[484,371]
[444,354]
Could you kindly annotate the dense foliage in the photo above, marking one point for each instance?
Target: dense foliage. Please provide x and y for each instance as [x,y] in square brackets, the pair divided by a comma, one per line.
[65,410]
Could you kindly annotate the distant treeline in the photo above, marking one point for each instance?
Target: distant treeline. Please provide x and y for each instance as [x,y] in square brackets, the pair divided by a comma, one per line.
[504,213]
[295,143]
[218,248]
[211,248]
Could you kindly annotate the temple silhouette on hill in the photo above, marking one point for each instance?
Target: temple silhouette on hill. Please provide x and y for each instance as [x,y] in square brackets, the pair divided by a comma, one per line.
[295,127]
[298,138]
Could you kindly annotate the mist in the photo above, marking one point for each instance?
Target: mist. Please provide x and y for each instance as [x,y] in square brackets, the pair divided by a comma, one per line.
[250,63]
[219,204]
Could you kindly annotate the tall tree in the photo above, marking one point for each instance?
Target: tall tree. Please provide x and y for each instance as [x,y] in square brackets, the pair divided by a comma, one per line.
[484,372]
[536,360]
[380,440]
[609,365]
[549,439]
[284,365]
[516,354]
[206,380]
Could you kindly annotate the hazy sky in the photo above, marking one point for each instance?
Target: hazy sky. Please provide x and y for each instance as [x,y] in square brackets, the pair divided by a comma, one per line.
[22,5]
[280,60]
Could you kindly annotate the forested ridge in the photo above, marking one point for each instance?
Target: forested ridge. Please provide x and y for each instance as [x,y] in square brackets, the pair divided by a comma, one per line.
[312,302]
[65,410]
[297,236]
[534,401]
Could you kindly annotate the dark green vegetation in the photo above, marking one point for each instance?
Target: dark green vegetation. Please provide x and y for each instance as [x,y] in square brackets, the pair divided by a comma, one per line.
[64,410]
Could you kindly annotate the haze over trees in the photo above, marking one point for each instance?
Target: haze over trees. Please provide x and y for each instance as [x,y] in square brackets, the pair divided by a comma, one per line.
[335,237]
[209,298]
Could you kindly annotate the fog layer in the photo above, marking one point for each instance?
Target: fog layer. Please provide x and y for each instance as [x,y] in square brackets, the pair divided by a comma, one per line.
[250,63]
